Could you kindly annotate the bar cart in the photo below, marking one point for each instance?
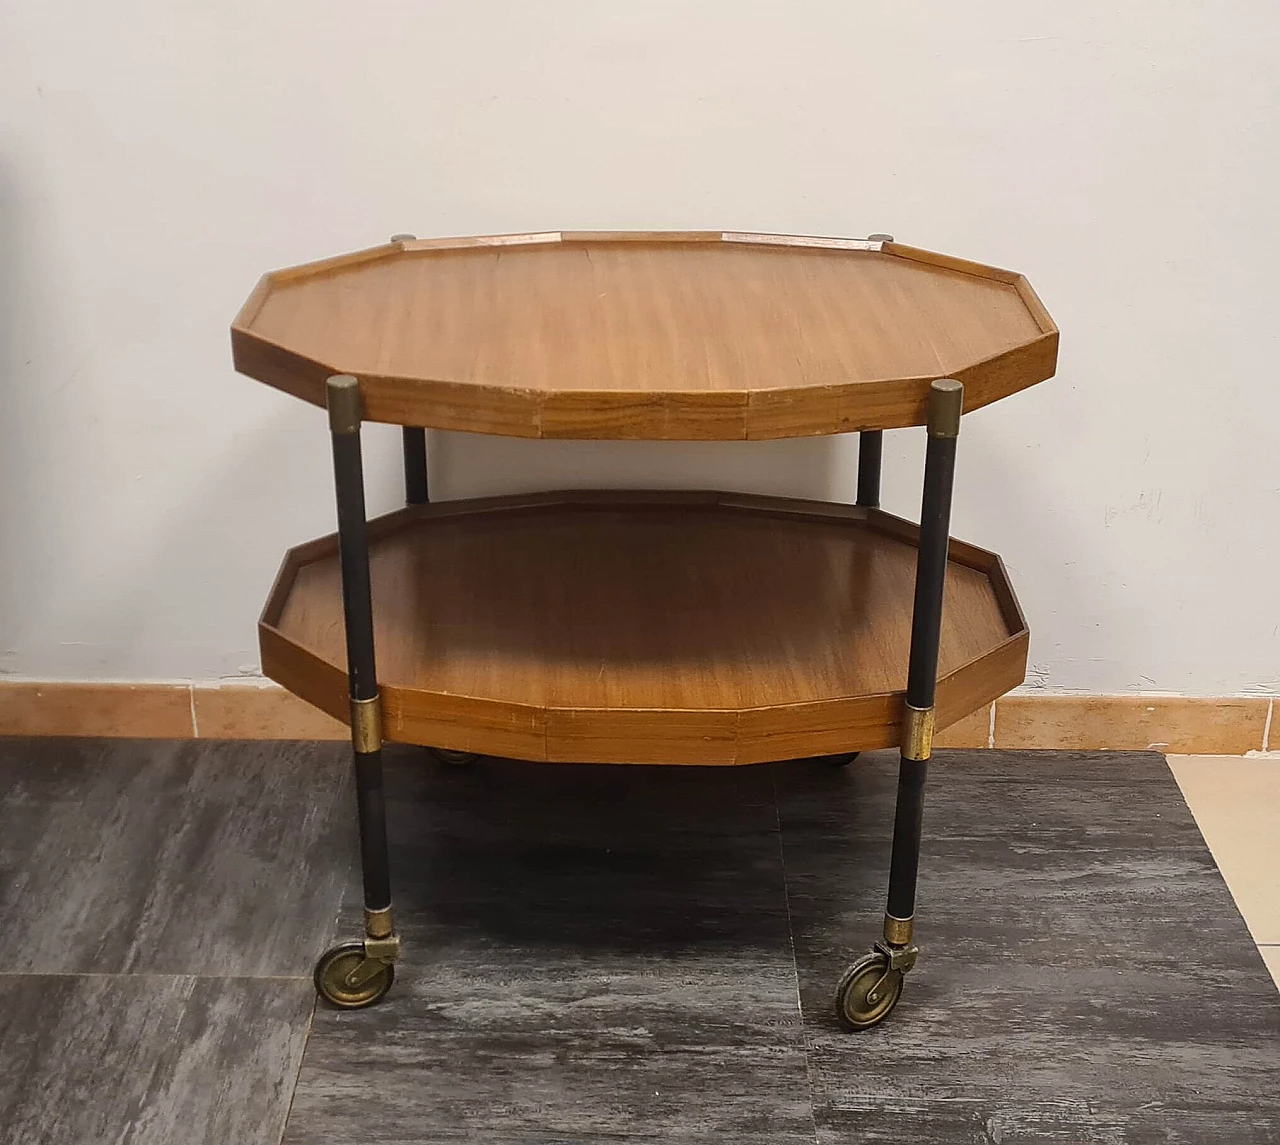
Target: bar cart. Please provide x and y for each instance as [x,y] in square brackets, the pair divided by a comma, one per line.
[644,627]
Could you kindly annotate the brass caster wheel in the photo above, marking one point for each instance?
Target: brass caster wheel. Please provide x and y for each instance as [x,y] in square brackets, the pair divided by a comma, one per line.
[867,991]
[451,758]
[842,759]
[335,969]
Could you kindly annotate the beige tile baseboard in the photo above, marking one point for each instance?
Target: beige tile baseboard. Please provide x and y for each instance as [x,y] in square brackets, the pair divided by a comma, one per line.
[1188,725]
[214,710]
[84,708]
[1185,725]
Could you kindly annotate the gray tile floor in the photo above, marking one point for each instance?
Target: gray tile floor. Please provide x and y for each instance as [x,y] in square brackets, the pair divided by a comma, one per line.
[162,905]
[90,1058]
[597,954]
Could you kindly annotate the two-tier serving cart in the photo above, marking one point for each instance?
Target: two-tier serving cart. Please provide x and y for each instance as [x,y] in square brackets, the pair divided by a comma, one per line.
[644,627]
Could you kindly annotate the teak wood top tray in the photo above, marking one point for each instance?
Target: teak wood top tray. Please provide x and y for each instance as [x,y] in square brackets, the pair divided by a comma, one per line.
[694,336]
[643,627]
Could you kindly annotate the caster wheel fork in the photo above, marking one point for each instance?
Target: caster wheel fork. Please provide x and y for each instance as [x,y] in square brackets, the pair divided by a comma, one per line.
[350,979]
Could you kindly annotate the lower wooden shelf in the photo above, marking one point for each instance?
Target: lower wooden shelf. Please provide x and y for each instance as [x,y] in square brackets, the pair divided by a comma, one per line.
[696,628]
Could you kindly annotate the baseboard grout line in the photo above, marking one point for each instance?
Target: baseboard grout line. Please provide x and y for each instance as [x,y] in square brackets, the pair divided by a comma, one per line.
[153,974]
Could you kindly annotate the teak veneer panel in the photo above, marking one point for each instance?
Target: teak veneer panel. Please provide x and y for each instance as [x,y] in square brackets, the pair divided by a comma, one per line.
[644,627]
[694,336]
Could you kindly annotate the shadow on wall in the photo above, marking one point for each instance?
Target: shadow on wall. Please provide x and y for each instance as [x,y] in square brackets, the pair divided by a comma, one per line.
[213,549]
[996,470]
[478,465]
[73,566]
[31,335]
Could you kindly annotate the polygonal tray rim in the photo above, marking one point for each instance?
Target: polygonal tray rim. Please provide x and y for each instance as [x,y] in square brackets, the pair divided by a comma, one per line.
[548,732]
[756,414]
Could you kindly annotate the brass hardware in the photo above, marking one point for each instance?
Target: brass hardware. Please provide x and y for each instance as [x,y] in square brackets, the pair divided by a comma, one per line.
[370,967]
[366,725]
[342,392]
[381,943]
[382,949]
[403,238]
[377,923]
[900,958]
[917,733]
[351,980]
[946,399]
[867,991]
[897,931]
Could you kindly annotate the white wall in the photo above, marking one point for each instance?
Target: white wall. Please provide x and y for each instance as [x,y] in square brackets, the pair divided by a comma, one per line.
[156,157]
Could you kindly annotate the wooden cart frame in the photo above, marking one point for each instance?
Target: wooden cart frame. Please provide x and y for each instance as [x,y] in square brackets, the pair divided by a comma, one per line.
[359,973]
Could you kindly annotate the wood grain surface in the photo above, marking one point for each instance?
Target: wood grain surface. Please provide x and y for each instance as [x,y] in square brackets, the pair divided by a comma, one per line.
[685,336]
[643,628]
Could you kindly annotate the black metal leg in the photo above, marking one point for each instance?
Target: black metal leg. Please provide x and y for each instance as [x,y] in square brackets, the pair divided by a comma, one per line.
[871,987]
[415,465]
[922,668]
[905,859]
[870,447]
[357,974]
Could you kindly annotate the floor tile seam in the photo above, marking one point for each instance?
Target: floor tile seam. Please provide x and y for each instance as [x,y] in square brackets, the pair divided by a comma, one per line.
[297,1073]
[795,964]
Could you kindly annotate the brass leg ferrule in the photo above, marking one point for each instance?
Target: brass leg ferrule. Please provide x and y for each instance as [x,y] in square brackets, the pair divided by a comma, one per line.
[381,943]
[946,398]
[377,923]
[342,395]
[366,725]
[897,931]
[917,732]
